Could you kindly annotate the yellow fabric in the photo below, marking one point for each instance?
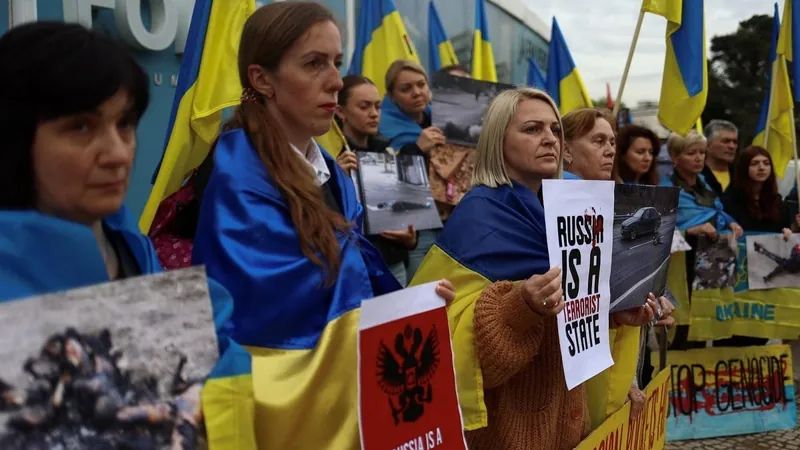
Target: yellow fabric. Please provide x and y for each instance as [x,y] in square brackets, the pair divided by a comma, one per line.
[447,54]
[308,399]
[740,317]
[669,9]
[785,37]
[199,115]
[678,285]
[229,412]
[483,67]
[389,43]
[333,141]
[573,93]
[608,391]
[461,312]
[723,177]
[611,433]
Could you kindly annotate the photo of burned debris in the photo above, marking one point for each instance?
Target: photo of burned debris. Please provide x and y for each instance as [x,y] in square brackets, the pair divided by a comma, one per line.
[113,366]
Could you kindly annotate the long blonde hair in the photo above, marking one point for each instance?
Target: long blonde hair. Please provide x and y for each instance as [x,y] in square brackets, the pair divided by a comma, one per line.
[490,166]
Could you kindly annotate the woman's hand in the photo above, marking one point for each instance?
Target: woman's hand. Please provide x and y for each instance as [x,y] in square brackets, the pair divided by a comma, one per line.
[705,229]
[347,161]
[407,238]
[787,234]
[665,318]
[736,229]
[636,317]
[446,291]
[637,398]
[543,293]
[429,138]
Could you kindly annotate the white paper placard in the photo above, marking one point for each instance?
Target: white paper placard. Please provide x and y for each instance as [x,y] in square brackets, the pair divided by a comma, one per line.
[579,217]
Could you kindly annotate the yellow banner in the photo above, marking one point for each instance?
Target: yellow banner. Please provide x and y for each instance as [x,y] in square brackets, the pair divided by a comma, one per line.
[647,432]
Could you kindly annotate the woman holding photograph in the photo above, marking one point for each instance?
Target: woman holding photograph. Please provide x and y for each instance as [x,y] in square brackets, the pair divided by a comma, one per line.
[406,122]
[358,115]
[279,227]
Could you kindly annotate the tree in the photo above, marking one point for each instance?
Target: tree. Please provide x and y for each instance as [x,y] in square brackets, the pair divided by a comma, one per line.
[737,75]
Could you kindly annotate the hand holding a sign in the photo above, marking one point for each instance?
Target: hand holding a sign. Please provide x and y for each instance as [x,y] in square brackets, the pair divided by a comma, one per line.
[347,161]
[543,293]
[408,238]
[737,230]
[705,229]
[429,138]
[445,290]
[664,315]
[635,317]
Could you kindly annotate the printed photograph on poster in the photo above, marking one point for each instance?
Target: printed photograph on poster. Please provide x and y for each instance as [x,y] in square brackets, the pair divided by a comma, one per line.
[395,193]
[644,227]
[679,243]
[407,385]
[715,263]
[729,391]
[579,218]
[116,365]
[773,262]
[459,105]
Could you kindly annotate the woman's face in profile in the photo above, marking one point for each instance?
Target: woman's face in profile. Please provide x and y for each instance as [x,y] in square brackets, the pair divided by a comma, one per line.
[531,148]
[82,162]
[411,92]
[593,153]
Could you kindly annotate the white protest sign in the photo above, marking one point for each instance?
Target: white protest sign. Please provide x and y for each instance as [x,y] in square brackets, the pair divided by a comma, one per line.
[579,216]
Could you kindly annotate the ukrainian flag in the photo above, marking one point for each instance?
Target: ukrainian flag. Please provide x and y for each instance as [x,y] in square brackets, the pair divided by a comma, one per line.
[564,83]
[381,40]
[684,88]
[229,401]
[483,67]
[774,129]
[208,83]
[442,53]
[790,39]
[536,77]
[333,141]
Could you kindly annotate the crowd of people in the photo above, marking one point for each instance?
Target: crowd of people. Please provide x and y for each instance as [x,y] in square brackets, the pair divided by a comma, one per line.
[278,222]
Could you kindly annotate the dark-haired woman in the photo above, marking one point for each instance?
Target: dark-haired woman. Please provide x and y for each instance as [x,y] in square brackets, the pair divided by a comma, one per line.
[637,150]
[70,100]
[279,227]
[359,113]
[753,201]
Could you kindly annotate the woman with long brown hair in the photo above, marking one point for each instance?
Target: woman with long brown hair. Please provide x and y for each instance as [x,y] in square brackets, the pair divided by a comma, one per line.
[279,227]
[637,150]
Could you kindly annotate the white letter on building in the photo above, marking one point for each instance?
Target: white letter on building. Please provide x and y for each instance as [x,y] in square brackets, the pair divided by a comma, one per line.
[163,23]
[80,11]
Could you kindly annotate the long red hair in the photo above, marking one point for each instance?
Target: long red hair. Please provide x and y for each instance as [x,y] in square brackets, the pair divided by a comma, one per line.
[267,35]
[768,206]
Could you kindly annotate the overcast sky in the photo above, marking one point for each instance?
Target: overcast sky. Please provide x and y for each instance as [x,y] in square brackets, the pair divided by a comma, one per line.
[599,34]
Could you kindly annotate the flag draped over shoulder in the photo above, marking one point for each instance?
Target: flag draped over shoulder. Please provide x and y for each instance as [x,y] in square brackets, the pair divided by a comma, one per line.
[564,83]
[208,83]
[684,87]
[440,47]
[536,76]
[774,128]
[495,234]
[381,39]
[483,67]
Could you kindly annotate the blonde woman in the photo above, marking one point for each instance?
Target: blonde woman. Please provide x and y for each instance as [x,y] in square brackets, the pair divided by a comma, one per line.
[494,247]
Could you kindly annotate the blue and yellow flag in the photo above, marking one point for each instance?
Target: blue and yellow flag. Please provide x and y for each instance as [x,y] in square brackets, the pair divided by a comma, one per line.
[774,128]
[207,84]
[790,39]
[333,141]
[563,81]
[483,67]
[440,47]
[684,87]
[536,76]
[381,40]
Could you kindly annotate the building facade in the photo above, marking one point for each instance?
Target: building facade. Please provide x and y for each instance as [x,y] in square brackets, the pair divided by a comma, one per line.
[516,34]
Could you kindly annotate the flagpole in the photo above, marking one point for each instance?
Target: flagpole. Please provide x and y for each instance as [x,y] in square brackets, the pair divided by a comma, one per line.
[628,63]
[794,149]
[769,104]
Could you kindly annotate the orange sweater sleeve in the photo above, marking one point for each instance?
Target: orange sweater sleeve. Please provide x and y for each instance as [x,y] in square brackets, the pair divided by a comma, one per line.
[508,332]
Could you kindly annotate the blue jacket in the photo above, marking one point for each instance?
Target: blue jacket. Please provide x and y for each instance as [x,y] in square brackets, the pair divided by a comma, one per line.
[690,214]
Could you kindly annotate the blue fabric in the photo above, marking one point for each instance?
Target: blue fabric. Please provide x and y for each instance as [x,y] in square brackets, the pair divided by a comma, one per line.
[41,254]
[247,241]
[436,36]
[570,176]
[498,233]
[688,42]
[536,77]
[559,62]
[397,126]
[690,214]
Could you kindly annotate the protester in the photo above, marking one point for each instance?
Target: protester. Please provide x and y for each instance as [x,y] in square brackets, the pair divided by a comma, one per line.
[279,226]
[723,141]
[589,149]
[753,201]
[637,150]
[700,211]
[406,122]
[359,113]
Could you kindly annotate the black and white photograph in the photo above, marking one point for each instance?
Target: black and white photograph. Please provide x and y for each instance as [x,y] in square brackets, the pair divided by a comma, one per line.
[715,263]
[773,261]
[112,366]
[395,192]
[459,105]
[644,226]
